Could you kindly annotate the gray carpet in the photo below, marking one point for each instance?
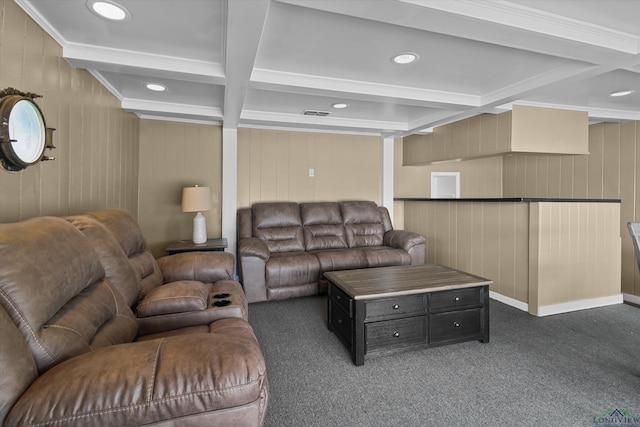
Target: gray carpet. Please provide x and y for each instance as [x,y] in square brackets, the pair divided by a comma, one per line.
[561,370]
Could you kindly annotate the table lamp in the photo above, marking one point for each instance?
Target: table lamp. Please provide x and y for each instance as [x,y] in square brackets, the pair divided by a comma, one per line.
[197,199]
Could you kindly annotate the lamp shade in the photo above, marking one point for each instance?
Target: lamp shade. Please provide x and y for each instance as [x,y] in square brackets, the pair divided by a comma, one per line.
[196,199]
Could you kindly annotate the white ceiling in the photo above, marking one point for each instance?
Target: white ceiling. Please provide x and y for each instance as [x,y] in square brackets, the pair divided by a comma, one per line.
[263,62]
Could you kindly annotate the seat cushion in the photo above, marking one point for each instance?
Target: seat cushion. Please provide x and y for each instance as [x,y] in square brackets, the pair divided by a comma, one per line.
[153,381]
[174,297]
[384,256]
[340,259]
[290,269]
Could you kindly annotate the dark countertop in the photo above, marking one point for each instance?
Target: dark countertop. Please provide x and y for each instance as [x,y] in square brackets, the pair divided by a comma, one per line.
[506,199]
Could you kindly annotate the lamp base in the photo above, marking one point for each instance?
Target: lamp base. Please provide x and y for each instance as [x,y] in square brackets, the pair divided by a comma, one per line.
[199,229]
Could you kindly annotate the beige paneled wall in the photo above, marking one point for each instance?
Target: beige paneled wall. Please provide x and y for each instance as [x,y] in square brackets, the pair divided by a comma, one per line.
[484,238]
[273,165]
[478,178]
[609,172]
[574,253]
[96,162]
[173,156]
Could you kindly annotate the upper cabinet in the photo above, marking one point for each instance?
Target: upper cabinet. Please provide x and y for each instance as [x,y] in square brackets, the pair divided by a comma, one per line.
[524,129]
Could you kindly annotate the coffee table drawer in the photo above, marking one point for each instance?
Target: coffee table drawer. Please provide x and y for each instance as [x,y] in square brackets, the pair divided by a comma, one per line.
[454,299]
[455,325]
[398,306]
[340,298]
[341,323]
[394,333]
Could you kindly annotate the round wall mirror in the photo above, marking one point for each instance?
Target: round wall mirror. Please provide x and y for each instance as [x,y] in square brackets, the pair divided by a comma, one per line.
[22,132]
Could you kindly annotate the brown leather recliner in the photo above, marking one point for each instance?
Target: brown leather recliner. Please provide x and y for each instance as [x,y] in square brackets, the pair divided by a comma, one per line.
[180,290]
[284,248]
[68,354]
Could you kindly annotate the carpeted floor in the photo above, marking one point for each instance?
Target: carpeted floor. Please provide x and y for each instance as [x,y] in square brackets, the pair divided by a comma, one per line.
[561,370]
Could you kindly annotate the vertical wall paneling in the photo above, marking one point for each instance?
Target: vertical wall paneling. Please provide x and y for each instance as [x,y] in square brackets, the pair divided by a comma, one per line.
[611,161]
[91,158]
[177,155]
[274,165]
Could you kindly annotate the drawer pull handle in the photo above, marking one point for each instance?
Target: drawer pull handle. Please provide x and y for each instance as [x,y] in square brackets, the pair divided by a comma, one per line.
[339,321]
[338,297]
[456,324]
[396,306]
[456,299]
[396,334]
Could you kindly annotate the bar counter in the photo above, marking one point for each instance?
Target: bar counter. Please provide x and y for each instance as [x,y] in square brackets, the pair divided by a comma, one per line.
[545,256]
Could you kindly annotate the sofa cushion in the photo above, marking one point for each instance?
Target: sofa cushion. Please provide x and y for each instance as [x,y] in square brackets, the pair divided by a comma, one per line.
[114,261]
[279,225]
[290,269]
[363,223]
[174,297]
[128,233]
[158,380]
[52,285]
[322,226]
[340,259]
[384,256]
[18,367]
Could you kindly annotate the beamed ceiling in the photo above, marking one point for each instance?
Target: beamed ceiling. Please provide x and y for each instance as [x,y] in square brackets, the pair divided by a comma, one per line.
[263,62]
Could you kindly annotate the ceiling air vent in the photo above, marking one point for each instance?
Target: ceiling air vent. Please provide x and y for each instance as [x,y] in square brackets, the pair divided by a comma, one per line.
[315,113]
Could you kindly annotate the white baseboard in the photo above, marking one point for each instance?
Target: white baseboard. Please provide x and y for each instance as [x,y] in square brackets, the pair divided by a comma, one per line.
[582,304]
[568,306]
[509,301]
[631,298]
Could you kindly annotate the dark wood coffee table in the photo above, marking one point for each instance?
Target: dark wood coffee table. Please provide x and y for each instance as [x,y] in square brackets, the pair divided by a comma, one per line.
[378,311]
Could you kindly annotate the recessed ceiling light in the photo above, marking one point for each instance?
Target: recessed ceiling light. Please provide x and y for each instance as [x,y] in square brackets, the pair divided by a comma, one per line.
[339,105]
[405,58]
[156,87]
[622,93]
[109,10]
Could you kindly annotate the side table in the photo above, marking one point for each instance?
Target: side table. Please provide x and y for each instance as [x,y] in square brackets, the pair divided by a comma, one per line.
[178,246]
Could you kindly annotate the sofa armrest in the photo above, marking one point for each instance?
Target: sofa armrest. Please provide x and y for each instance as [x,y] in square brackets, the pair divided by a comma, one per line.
[401,239]
[207,267]
[409,241]
[253,255]
[253,246]
[153,381]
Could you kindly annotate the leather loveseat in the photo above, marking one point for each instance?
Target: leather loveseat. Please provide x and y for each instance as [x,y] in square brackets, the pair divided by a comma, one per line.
[71,348]
[284,248]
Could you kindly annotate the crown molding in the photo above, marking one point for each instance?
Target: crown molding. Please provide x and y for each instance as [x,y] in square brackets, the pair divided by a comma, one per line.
[510,14]
[149,107]
[265,79]
[110,59]
[287,119]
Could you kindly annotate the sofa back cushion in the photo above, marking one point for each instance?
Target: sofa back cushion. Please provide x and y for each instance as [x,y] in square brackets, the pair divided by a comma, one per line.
[278,224]
[18,367]
[52,285]
[128,234]
[363,223]
[117,267]
[322,226]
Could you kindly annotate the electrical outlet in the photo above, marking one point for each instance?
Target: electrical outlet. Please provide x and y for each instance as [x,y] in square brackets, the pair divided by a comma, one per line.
[312,172]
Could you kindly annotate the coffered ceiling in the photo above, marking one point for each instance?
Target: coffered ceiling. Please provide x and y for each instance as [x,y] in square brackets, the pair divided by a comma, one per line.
[264,62]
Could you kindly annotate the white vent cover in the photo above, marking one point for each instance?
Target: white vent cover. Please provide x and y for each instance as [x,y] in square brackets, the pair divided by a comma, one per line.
[315,113]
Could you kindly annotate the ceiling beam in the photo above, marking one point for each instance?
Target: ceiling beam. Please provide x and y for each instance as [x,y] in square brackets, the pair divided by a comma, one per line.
[245,21]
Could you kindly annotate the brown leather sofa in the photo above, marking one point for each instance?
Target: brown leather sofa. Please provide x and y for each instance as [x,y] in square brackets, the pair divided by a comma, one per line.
[72,352]
[172,292]
[284,248]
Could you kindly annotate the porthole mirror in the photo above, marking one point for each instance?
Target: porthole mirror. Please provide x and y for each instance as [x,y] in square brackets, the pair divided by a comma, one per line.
[23,132]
